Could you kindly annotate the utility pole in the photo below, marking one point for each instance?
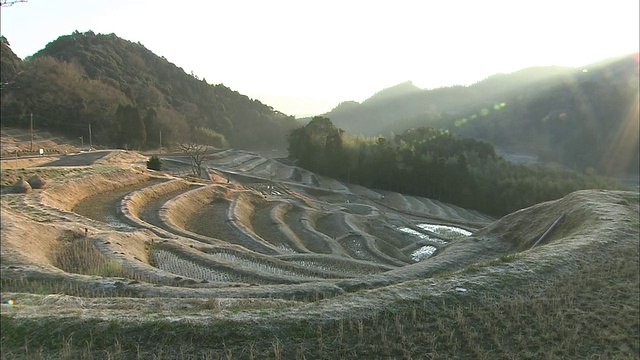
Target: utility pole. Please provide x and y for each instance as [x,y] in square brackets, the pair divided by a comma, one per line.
[31,146]
[161,140]
[90,142]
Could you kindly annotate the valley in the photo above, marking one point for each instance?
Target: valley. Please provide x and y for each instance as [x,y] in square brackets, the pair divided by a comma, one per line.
[264,259]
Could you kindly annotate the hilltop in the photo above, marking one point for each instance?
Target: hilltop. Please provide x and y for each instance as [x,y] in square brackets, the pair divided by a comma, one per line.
[131,97]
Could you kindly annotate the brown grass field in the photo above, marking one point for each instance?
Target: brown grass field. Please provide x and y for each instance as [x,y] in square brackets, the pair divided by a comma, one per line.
[255,259]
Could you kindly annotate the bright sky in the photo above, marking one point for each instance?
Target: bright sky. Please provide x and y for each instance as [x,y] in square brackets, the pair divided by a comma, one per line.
[304,57]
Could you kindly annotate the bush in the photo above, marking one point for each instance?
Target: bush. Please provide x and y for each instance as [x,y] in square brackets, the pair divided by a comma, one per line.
[154,163]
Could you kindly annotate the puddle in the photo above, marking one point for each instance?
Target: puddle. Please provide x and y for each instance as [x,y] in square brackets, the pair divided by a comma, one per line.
[445,230]
[421,235]
[423,253]
[115,222]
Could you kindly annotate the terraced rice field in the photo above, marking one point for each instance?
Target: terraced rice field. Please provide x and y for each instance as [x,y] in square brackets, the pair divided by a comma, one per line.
[115,246]
[270,223]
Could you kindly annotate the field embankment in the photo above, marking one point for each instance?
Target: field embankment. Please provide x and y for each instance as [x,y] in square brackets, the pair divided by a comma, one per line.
[265,260]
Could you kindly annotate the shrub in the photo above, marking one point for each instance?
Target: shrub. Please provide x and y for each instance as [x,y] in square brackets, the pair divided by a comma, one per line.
[36,182]
[154,163]
[21,186]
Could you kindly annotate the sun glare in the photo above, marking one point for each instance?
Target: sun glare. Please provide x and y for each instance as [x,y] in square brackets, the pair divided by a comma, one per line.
[624,146]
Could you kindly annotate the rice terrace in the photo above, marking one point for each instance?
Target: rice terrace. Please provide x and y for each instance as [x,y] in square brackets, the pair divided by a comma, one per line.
[258,259]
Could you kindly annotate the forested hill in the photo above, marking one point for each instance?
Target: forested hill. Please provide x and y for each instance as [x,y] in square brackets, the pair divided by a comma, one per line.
[584,118]
[9,62]
[390,108]
[435,164]
[130,96]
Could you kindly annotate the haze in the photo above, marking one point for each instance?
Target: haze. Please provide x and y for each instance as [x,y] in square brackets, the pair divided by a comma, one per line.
[305,58]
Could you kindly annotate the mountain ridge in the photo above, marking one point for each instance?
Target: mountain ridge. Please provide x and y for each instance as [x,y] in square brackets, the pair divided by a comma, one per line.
[84,78]
[512,111]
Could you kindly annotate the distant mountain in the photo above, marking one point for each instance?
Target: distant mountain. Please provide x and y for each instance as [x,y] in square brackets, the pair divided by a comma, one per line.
[581,118]
[131,97]
[402,89]
[389,108]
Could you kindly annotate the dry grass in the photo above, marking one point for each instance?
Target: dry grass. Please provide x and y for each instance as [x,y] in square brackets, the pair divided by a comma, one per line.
[577,296]
[80,256]
[9,176]
[589,313]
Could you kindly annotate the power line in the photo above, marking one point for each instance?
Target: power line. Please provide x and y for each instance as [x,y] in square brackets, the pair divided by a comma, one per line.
[11,2]
[45,118]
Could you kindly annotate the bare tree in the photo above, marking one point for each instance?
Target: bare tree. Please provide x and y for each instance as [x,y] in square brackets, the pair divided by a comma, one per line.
[11,2]
[197,154]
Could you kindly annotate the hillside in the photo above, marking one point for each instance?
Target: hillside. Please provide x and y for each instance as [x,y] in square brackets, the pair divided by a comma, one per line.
[577,117]
[377,113]
[131,97]
[290,264]
[402,89]
[10,63]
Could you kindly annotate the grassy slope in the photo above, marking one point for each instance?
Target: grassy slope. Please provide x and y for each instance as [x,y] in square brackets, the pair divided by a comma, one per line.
[577,297]
[585,307]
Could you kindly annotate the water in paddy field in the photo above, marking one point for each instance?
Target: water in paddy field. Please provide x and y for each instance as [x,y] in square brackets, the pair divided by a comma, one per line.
[425,252]
[115,221]
[421,235]
[446,230]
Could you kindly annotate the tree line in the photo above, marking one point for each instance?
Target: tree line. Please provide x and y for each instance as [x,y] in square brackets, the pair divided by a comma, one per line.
[436,164]
[583,118]
[131,97]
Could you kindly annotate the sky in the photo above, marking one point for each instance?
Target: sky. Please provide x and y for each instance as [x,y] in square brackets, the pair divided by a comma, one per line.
[305,57]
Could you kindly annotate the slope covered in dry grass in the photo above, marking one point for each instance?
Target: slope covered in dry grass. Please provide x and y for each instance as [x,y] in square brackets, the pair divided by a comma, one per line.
[280,263]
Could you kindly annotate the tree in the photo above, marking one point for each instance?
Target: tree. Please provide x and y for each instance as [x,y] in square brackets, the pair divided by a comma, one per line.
[318,146]
[197,154]
[131,125]
[334,155]
[207,136]
[154,163]
[10,63]
[11,2]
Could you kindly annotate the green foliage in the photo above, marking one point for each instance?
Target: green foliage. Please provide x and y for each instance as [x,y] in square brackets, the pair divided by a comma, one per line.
[209,137]
[132,132]
[132,97]
[319,147]
[82,257]
[154,163]
[10,63]
[578,119]
[436,164]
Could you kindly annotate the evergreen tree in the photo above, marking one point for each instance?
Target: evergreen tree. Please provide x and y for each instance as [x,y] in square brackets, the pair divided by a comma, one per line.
[132,133]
